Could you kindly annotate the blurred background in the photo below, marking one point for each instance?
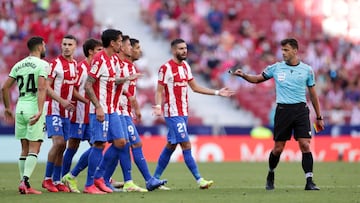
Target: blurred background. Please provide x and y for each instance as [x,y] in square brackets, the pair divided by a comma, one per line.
[219,34]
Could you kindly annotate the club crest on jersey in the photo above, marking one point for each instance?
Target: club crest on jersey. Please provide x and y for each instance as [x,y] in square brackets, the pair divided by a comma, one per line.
[94,68]
[183,135]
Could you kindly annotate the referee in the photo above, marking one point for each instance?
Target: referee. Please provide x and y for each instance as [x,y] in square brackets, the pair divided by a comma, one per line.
[292,113]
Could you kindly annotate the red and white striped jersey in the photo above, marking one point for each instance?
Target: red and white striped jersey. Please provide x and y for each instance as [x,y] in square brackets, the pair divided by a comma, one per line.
[81,113]
[127,69]
[175,77]
[103,70]
[119,87]
[63,72]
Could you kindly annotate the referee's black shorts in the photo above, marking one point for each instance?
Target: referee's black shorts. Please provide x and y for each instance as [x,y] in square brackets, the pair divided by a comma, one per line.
[292,118]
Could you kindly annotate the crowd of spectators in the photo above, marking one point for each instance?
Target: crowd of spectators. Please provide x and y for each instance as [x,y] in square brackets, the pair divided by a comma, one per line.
[221,34]
[50,19]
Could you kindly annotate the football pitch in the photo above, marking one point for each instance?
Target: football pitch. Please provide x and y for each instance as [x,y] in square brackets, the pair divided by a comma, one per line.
[234,182]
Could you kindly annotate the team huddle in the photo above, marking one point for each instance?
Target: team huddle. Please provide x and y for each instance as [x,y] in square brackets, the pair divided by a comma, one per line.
[95,101]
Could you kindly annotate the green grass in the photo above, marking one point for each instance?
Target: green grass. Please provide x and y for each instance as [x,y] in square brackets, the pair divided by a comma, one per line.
[234,182]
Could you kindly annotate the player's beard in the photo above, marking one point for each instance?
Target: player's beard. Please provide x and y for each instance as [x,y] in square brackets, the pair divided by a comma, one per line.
[180,58]
[42,55]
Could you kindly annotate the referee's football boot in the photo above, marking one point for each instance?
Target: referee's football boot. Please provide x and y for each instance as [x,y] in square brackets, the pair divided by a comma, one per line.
[310,185]
[270,181]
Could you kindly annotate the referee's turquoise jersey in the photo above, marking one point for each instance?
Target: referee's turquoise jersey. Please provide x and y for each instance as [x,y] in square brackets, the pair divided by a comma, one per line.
[291,81]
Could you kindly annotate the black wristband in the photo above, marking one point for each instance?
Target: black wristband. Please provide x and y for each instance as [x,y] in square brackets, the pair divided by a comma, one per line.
[319,118]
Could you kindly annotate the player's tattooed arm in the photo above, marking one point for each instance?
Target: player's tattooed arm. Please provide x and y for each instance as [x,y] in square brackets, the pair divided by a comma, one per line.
[121,80]
[90,91]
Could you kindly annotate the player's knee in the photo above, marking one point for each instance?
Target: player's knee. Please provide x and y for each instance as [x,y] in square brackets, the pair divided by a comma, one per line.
[277,150]
[305,147]
[137,145]
[73,143]
[120,143]
[59,146]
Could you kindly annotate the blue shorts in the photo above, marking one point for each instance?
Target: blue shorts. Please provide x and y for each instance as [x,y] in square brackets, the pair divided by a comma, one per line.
[57,126]
[116,128]
[124,126]
[177,126]
[131,130]
[99,130]
[80,131]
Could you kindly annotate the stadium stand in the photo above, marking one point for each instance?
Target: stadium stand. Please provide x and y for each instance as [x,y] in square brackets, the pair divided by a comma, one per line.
[49,19]
[246,32]
[235,32]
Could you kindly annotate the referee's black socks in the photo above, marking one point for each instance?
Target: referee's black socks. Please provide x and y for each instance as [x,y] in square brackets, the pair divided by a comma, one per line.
[273,161]
[307,162]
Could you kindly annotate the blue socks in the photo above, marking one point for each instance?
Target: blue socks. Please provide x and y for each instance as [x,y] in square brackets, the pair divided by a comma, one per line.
[67,160]
[110,170]
[191,164]
[81,164]
[125,162]
[57,173]
[49,169]
[94,159]
[140,162]
[162,162]
[111,155]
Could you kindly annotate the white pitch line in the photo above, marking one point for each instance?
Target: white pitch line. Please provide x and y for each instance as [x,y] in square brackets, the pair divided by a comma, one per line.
[302,186]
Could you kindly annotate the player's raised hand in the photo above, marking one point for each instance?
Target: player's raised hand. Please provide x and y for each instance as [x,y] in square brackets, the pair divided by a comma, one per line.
[226,92]
[238,72]
[234,68]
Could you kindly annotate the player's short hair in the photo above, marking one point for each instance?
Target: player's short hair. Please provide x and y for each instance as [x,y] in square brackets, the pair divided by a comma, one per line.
[70,37]
[176,42]
[134,41]
[33,42]
[125,38]
[90,44]
[291,41]
[110,35]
